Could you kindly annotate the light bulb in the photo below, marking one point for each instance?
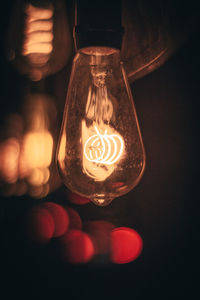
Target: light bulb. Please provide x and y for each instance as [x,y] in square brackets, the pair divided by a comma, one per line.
[39,41]
[100,152]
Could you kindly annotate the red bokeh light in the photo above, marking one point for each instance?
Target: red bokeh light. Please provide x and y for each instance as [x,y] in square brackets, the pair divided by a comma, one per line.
[76,247]
[40,225]
[126,245]
[60,217]
[76,199]
[100,231]
[74,219]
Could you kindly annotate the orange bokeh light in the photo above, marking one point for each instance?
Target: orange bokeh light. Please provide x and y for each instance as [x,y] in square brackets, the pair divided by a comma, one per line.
[38,147]
[9,157]
[26,154]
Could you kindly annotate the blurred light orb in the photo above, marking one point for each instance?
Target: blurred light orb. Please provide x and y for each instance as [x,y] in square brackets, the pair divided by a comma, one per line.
[38,148]
[9,157]
[126,245]
[36,177]
[74,219]
[60,217]
[39,176]
[77,247]
[100,232]
[40,225]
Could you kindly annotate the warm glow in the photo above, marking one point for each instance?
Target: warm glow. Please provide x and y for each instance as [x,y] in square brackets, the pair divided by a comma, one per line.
[9,157]
[38,147]
[40,191]
[42,48]
[62,149]
[38,34]
[39,25]
[103,148]
[102,144]
[35,13]
[101,151]
[26,153]
[39,176]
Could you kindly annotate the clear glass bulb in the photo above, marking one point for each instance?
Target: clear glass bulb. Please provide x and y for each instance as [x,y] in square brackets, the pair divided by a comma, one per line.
[100,152]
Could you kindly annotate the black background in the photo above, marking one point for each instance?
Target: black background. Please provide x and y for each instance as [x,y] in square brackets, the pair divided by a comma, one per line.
[162,208]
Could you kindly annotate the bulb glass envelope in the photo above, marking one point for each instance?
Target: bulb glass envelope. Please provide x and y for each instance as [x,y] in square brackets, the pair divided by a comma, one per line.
[100,153]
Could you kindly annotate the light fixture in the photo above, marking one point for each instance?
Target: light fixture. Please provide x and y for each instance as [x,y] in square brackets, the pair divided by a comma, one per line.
[100,152]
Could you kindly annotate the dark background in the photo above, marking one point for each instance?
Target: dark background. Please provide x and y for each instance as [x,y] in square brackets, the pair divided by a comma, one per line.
[162,208]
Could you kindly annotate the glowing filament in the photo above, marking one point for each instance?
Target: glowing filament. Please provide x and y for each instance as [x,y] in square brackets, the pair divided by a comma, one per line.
[103,148]
[102,145]
[101,152]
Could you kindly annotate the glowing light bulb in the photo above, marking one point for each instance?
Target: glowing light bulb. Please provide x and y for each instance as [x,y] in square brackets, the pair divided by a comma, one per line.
[100,153]
[39,41]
